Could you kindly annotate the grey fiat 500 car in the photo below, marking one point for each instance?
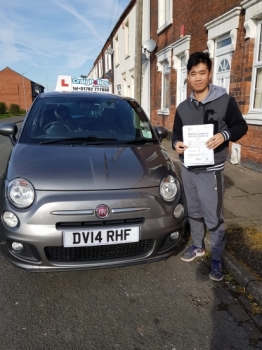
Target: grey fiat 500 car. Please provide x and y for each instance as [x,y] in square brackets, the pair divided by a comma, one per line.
[88,185]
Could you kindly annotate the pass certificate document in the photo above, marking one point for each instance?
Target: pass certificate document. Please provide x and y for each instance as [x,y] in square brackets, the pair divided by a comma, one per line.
[195,137]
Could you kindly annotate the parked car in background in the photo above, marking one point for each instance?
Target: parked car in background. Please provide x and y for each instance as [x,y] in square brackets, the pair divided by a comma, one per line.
[88,185]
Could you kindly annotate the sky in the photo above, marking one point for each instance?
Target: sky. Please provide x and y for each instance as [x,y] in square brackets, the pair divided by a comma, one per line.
[42,39]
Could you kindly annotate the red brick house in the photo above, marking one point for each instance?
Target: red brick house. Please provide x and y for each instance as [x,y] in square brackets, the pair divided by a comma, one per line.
[231,31]
[17,89]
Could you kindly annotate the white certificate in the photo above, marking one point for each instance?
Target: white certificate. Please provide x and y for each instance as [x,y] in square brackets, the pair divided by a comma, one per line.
[195,137]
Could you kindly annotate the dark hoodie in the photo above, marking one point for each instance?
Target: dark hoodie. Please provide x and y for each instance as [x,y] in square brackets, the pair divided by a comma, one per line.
[217,108]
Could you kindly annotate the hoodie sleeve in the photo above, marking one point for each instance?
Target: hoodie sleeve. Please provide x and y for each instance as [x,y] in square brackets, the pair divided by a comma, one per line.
[177,130]
[237,126]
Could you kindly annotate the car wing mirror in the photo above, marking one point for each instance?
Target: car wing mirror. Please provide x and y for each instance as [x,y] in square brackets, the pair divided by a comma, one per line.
[161,132]
[10,130]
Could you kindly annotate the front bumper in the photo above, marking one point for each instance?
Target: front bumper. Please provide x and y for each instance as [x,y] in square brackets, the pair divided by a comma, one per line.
[41,226]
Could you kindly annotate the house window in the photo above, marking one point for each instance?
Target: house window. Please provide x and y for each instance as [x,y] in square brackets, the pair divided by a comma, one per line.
[258,71]
[107,62]
[132,83]
[95,72]
[116,50]
[224,66]
[165,86]
[165,14]
[163,67]
[180,57]
[118,89]
[123,90]
[100,68]
[127,38]
[182,80]
[224,42]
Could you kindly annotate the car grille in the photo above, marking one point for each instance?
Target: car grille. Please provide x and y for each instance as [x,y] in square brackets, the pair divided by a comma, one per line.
[76,224]
[89,254]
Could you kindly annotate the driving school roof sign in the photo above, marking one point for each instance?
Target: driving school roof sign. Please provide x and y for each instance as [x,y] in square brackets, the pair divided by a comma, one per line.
[68,83]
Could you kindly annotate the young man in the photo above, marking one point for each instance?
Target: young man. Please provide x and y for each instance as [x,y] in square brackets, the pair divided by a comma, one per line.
[207,104]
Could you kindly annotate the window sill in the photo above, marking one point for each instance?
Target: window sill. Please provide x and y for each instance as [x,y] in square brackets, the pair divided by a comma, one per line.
[164,26]
[127,56]
[253,118]
[117,64]
[163,111]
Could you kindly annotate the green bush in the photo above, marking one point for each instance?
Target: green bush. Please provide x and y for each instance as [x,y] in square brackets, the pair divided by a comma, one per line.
[14,109]
[3,108]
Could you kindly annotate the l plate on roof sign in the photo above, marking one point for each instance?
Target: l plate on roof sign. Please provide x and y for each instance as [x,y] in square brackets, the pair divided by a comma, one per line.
[68,83]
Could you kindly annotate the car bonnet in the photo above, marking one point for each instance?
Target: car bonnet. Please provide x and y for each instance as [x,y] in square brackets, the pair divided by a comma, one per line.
[67,168]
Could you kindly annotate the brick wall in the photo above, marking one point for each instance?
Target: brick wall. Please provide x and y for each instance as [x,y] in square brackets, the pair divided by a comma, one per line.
[193,15]
[12,89]
[251,147]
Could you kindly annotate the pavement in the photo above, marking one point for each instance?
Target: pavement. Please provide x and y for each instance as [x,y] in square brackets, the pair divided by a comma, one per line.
[14,119]
[243,221]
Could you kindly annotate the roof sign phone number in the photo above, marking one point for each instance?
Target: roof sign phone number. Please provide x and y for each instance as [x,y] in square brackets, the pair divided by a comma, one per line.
[87,88]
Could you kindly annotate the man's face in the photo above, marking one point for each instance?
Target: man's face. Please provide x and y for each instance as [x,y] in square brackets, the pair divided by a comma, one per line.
[199,77]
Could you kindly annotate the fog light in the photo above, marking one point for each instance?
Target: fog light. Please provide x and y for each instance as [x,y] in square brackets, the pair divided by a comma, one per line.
[174,235]
[10,219]
[17,246]
[179,211]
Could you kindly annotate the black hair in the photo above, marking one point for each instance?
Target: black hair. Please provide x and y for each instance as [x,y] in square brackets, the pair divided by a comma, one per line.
[199,57]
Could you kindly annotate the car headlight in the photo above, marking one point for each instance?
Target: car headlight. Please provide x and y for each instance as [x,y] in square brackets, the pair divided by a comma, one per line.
[168,188]
[21,193]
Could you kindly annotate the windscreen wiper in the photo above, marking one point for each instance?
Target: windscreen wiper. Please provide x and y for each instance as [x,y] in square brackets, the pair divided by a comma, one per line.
[85,140]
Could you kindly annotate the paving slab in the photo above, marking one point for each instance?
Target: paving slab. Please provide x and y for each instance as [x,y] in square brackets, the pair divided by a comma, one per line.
[244,207]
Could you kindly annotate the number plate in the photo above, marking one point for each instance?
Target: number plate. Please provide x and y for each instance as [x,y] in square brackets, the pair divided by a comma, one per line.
[91,237]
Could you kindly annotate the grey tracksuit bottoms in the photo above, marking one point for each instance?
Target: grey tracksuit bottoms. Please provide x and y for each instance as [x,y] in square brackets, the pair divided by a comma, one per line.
[204,195]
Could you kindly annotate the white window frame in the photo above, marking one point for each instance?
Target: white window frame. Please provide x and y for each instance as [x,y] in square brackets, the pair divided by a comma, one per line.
[108,65]
[118,89]
[180,48]
[164,97]
[132,82]
[227,23]
[163,58]
[100,68]
[117,50]
[180,83]
[127,48]
[124,93]
[165,14]
[95,72]
[253,15]
[257,64]
[225,49]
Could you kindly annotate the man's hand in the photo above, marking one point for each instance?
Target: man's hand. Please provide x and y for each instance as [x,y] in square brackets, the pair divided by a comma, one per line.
[215,141]
[180,147]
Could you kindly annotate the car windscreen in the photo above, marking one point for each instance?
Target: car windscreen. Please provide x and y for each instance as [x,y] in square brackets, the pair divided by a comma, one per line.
[92,118]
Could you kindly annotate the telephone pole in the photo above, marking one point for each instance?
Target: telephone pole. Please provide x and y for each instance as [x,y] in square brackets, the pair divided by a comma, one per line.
[138,51]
